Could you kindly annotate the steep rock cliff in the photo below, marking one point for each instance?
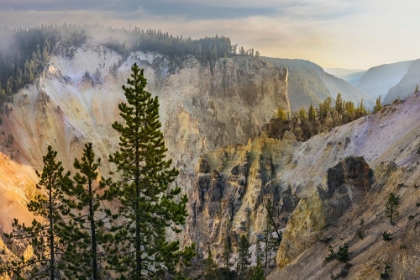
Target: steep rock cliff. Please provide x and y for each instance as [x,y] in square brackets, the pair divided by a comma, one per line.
[231,188]
[203,106]
[406,86]
[347,184]
[361,227]
[314,185]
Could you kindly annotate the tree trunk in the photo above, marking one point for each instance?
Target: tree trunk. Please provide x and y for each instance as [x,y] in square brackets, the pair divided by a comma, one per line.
[93,232]
[138,194]
[52,261]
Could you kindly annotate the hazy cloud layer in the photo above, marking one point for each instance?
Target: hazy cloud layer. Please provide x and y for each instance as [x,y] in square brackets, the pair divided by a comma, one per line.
[342,33]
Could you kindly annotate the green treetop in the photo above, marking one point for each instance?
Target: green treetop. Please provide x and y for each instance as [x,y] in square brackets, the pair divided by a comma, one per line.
[211,267]
[391,210]
[339,105]
[148,206]
[311,113]
[378,105]
[47,235]
[302,113]
[281,114]
[227,253]
[243,255]
[88,217]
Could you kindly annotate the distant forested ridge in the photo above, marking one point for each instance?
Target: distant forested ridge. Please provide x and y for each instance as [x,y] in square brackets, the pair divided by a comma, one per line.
[166,44]
[25,52]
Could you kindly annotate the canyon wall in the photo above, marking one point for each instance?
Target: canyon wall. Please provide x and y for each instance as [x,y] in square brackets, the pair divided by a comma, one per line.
[203,106]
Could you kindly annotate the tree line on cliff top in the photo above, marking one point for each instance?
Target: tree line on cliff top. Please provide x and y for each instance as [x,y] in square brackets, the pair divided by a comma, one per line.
[25,52]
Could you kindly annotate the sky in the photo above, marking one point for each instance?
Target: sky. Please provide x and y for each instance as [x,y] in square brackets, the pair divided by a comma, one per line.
[352,34]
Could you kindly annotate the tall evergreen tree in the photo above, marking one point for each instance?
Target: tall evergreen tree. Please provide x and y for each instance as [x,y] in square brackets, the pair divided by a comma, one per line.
[45,235]
[321,112]
[327,105]
[350,109]
[85,198]
[149,206]
[256,273]
[361,110]
[259,256]
[281,114]
[271,243]
[270,218]
[267,234]
[243,255]
[339,104]
[378,105]
[311,113]
[391,210]
[302,113]
[211,267]
[227,253]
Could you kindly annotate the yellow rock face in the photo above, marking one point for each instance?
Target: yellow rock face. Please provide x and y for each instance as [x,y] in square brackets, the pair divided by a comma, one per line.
[17,184]
[202,108]
[302,230]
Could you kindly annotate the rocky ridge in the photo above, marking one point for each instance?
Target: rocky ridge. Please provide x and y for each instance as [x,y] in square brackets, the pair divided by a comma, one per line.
[321,189]
[406,85]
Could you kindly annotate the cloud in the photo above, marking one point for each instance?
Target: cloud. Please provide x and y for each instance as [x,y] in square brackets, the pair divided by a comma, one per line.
[342,33]
[167,8]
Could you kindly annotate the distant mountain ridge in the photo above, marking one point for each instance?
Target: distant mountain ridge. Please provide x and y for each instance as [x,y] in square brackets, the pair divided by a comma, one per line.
[342,72]
[406,85]
[310,84]
[352,76]
[379,79]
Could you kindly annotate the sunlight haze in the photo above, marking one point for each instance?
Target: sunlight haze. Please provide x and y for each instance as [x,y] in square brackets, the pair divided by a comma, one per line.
[347,34]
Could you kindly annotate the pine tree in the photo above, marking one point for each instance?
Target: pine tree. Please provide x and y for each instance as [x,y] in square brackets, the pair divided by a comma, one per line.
[339,104]
[259,256]
[311,113]
[302,114]
[226,254]
[46,236]
[391,210]
[273,243]
[86,196]
[416,89]
[281,114]
[321,112]
[270,218]
[378,105]
[361,110]
[148,206]
[257,273]
[267,234]
[327,106]
[257,55]
[350,109]
[243,255]
[211,267]
[343,253]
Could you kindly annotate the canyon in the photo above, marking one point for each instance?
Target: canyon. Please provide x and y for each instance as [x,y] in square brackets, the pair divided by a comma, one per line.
[212,115]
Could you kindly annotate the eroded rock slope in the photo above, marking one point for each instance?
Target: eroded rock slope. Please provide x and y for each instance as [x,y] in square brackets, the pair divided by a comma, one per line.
[322,188]
[203,106]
